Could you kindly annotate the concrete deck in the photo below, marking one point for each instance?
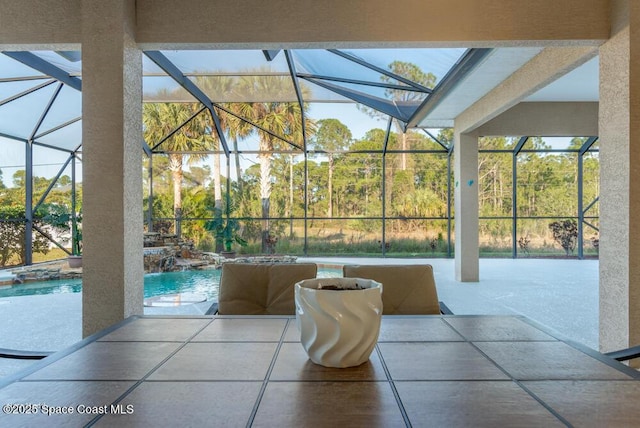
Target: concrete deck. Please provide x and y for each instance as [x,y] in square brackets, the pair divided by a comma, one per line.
[560,294]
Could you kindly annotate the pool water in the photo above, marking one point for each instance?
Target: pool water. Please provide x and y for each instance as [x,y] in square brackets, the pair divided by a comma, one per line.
[155,284]
[44,287]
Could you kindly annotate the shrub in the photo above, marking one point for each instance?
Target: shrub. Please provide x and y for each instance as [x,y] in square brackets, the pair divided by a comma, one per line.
[565,233]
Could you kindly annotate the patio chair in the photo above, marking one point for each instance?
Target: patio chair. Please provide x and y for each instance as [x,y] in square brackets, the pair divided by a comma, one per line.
[406,289]
[261,288]
[23,355]
[625,354]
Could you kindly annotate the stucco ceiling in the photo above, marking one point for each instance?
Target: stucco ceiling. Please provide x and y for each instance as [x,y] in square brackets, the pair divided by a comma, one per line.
[580,84]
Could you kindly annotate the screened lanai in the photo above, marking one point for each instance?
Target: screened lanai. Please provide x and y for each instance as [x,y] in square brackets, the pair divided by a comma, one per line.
[571,75]
[309,151]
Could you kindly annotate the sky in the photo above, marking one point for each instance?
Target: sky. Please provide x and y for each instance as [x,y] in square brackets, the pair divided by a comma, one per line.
[21,118]
[47,162]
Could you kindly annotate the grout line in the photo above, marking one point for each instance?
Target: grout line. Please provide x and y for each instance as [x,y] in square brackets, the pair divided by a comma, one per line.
[392,384]
[265,382]
[542,403]
[150,372]
[58,355]
[514,380]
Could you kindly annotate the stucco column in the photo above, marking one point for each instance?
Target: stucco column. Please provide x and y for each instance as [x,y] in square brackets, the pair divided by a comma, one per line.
[619,124]
[465,153]
[112,164]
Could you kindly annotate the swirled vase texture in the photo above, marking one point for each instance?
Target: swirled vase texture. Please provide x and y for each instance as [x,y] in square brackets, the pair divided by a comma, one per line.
[338,328]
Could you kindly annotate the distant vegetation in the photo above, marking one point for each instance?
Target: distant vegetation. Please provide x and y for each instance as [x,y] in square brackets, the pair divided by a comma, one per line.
[358,201]
[349,222]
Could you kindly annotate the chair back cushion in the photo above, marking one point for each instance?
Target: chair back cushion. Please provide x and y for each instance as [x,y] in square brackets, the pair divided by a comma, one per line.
[261,288]
[406,289]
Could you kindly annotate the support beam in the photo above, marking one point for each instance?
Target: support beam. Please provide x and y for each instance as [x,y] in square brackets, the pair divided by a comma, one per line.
[270,55]
[173,71]
[383,71]
[112,283]
[290,23]
[465,65]
[551,119]
[41,23]
[37,63]
[514,195]
[28,203]
[620,180]
[398,110]
[581,211]
[303,120]
[27,92]
[387,134]
[465,153]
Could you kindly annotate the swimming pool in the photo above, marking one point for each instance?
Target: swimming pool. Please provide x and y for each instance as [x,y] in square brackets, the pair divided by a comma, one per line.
[155,284]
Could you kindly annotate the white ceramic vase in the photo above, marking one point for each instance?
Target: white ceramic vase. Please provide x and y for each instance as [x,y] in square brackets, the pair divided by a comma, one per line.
[338,328]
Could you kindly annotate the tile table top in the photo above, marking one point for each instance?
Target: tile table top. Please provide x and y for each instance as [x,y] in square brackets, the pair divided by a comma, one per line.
[252,371]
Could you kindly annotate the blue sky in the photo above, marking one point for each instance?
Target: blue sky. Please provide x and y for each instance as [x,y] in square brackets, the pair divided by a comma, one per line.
[21,117]
[47,162]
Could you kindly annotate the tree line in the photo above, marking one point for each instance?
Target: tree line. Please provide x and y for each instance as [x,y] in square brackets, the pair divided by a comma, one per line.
[347,178]
[311,178]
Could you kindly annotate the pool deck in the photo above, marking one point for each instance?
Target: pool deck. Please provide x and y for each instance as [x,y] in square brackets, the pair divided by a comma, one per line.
[560,294]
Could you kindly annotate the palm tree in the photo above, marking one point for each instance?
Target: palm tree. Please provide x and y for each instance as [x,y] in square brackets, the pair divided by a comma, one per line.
[215,87]
[281,118]
[225,87]
[160,120]
[238,129]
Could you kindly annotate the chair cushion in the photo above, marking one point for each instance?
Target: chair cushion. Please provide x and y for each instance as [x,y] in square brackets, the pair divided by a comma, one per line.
[406,289]
[261,289]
